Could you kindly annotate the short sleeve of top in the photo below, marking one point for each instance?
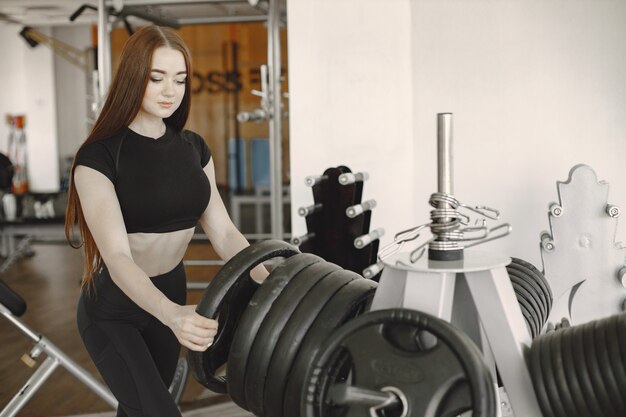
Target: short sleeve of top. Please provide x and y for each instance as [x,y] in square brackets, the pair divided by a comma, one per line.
[200,145]
[98,155]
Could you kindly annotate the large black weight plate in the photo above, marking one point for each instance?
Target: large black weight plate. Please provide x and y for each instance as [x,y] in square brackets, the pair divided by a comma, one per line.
[606,366]
[250,322]
[559,377]
[225,299]
[424,377]
[533,291]
[272,327]
[291,338]
[569,365]
[349,302]
[533,287]
[530,315]
[533,272]
[536,374]
[614,349]
[535,310]
[548,357]
[595,373]
[584,379]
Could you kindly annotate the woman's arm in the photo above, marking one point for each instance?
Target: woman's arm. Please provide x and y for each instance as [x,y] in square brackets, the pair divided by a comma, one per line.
[103,215]
[220,230]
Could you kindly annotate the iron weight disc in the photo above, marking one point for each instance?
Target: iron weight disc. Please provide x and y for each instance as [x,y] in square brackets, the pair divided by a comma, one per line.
[535,292]
[583,377]
[536,374]
[349,302]
[536,274]
[271,328]
[458,343]
[615,357]
[550,361]
[595,373]
[606,366]
[565,378]
[225,298]
[291,338]
[253,316]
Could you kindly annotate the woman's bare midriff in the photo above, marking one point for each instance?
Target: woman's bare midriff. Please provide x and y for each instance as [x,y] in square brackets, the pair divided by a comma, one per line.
[158,253]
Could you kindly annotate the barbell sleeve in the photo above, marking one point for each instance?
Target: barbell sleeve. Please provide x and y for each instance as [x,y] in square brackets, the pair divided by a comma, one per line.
[373,270]
[347,394]
[307,211]
[357,209]
[364,240]
[312,180]
[351,178]
[299,240]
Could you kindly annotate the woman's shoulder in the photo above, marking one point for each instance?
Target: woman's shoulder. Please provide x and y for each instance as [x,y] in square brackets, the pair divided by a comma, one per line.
[199,143]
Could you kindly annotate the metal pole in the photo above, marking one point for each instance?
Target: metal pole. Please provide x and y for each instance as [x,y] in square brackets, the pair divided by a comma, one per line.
[275,122]
[444,153]
[104,53]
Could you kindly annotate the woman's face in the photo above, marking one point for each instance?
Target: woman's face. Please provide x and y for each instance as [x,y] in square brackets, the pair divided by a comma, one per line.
[166,86]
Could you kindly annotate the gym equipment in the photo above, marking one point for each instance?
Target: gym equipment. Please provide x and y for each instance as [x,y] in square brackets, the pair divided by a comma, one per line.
[375,363]
[225,299]
[472,290]
[13,306]
[338,222]
[581,260]
[579,372]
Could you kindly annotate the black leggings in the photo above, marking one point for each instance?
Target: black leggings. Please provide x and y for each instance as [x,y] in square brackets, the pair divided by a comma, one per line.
[135,353]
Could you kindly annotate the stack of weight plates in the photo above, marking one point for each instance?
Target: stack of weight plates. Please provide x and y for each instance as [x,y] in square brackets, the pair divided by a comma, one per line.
[580,371]
[532,292]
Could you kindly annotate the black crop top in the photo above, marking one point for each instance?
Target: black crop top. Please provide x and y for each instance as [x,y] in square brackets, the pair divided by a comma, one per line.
[159,183]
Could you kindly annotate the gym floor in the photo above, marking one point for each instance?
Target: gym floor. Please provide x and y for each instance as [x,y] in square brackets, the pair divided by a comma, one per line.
[49,282]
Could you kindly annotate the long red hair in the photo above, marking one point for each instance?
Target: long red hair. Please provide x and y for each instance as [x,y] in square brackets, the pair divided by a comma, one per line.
[122,104]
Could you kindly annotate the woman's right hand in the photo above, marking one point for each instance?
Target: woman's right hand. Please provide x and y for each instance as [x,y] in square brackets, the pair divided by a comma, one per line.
[192,330]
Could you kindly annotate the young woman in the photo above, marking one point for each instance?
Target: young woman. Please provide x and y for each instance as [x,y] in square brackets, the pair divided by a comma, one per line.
[140,185]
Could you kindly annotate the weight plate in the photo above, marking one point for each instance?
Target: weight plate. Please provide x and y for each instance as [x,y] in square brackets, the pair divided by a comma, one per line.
[530,315]
[349,302]
[291,338]
[582,373]
[225,299]
[606,366]
[615,355]
[537,376]
[530,270]
[595,372]
[569,366]
[253,316]
[520,292]
[422,378]
[271,328]
[536,288]
[531,290]
[554,377]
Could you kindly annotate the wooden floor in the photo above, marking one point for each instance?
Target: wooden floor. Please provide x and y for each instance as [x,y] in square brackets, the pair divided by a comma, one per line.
[49,281]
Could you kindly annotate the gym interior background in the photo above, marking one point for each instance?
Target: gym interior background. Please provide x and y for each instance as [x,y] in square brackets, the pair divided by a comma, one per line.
[535,87]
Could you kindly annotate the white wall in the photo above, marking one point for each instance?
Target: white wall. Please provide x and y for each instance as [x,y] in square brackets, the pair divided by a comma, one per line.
[535,87]
[27,85]
[350,86]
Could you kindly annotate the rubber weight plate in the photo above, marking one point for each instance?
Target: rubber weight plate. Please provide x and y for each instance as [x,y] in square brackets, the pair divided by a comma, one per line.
[606,366]
[225,299]
[530,315]
[549,376]
[614,349]
[559,377]
[532,302]
[272,327]
[291,338]
[531,289]
[538,276]
[537,376]
[583,376]
[259,305]
[566,338]
[349,302]
[600,387]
